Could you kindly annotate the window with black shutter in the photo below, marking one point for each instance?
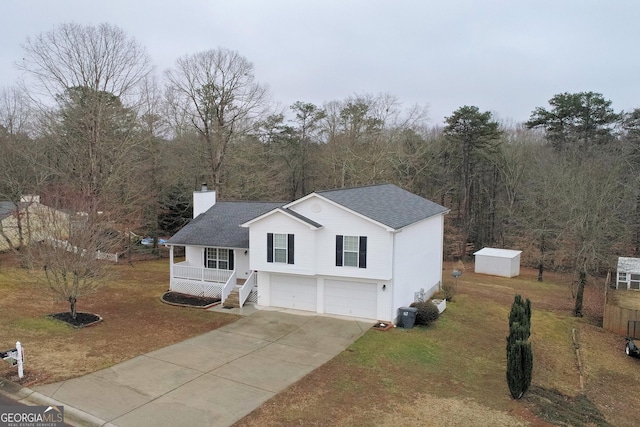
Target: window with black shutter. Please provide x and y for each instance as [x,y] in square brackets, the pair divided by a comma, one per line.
[351,251]
[280,248]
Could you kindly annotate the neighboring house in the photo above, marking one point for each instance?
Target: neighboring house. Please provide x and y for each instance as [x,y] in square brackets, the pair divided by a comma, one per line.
[628,273]
[31,219]
[360,252]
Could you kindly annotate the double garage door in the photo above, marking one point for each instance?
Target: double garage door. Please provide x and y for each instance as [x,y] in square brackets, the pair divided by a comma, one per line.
[356,299]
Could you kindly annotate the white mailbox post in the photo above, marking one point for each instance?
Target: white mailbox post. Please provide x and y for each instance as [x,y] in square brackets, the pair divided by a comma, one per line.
[15,356]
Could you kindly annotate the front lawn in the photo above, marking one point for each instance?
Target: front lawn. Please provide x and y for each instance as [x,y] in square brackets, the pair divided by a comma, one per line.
[135,322]
[450,373]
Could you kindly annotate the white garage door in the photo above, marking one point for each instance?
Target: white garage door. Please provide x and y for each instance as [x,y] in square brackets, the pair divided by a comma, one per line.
[357,299]
[294,292]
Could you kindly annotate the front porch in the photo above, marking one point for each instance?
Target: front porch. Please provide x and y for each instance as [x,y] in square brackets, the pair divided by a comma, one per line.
[213,283]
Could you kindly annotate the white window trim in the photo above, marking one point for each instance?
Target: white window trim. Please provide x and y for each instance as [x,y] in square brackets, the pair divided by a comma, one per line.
[216,258]
[277,248]
[350,251]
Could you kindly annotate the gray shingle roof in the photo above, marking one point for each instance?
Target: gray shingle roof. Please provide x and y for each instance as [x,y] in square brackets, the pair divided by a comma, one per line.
[386,204]
[6,208]
[220,225]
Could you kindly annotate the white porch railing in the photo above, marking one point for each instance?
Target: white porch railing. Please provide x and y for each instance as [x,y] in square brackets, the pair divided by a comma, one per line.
[200,281]
[246,288]
[200,289]
[189,272]
[228,287]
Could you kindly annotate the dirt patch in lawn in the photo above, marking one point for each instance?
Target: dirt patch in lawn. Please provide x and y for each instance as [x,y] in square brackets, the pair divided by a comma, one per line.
[453,372]
[135,322]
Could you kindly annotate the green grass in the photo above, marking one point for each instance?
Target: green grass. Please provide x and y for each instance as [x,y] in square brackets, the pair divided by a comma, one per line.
[376,349]
[43,325]
[463,353]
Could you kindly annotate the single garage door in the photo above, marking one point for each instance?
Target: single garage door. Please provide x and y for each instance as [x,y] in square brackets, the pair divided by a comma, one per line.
[357,299]
[294,292]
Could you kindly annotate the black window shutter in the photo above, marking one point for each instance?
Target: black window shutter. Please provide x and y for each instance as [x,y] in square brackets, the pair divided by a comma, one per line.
[205,258]
[231,266]
[290,249]
[269,247]
[339,251]
[362,255]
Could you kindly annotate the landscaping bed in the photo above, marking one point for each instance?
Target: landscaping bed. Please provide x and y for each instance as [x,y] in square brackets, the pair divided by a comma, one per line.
[81,320]
[186,300]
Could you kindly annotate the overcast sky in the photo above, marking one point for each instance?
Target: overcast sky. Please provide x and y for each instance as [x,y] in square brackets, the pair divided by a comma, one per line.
[507,57]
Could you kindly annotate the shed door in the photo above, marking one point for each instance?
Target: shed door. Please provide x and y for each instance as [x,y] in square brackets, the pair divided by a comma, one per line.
[294,292]
[356,299]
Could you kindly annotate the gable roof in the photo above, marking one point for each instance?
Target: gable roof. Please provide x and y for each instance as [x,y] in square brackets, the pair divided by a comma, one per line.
[286,211]
[220,225]
[302,218]
[628,265]
[385,203]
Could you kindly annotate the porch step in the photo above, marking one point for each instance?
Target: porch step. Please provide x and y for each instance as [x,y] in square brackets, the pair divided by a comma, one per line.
[233,300]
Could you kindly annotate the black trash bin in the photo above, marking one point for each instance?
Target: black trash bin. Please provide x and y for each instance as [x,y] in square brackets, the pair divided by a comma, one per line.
[407,316]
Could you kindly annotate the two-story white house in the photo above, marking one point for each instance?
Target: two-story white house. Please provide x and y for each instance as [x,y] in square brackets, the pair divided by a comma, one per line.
[360,252]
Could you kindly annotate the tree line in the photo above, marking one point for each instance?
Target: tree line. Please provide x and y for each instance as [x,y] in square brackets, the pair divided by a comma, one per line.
[95,129]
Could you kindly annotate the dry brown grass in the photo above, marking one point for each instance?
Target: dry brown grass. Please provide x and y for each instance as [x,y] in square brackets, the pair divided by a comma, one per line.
[135,322]
[453,372]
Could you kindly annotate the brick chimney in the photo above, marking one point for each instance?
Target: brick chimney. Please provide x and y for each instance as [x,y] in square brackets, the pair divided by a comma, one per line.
[203,200]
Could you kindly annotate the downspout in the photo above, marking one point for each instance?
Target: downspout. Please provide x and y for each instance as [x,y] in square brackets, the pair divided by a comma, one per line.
[394,318]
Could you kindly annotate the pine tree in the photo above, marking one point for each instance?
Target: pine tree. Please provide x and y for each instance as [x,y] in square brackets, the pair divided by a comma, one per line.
[519,353]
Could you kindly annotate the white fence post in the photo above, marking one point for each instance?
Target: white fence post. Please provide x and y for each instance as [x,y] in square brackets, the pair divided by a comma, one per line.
[19,359]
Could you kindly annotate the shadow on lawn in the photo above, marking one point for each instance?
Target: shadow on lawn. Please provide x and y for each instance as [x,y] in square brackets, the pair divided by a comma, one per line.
[557,408]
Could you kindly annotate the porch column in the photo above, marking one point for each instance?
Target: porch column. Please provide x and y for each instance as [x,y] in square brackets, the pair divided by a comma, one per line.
[170,266]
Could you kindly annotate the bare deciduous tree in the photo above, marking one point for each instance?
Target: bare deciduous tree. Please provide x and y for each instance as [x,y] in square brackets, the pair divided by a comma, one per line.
[91,74]
[70,257]
[216,92]
[102,59]
[22,168]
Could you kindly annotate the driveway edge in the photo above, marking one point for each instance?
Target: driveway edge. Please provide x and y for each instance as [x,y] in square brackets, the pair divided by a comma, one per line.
[27,396]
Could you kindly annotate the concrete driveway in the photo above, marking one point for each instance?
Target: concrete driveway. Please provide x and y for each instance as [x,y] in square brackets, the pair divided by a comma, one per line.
[211,380]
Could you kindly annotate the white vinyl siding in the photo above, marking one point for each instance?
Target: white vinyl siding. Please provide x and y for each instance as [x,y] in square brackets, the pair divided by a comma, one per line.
[411,251]
[336,222]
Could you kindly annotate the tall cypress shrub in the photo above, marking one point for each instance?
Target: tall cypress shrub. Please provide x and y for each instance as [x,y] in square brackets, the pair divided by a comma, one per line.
[519,353]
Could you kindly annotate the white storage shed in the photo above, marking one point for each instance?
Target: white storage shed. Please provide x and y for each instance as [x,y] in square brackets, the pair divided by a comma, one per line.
[628,273]
[498,262]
